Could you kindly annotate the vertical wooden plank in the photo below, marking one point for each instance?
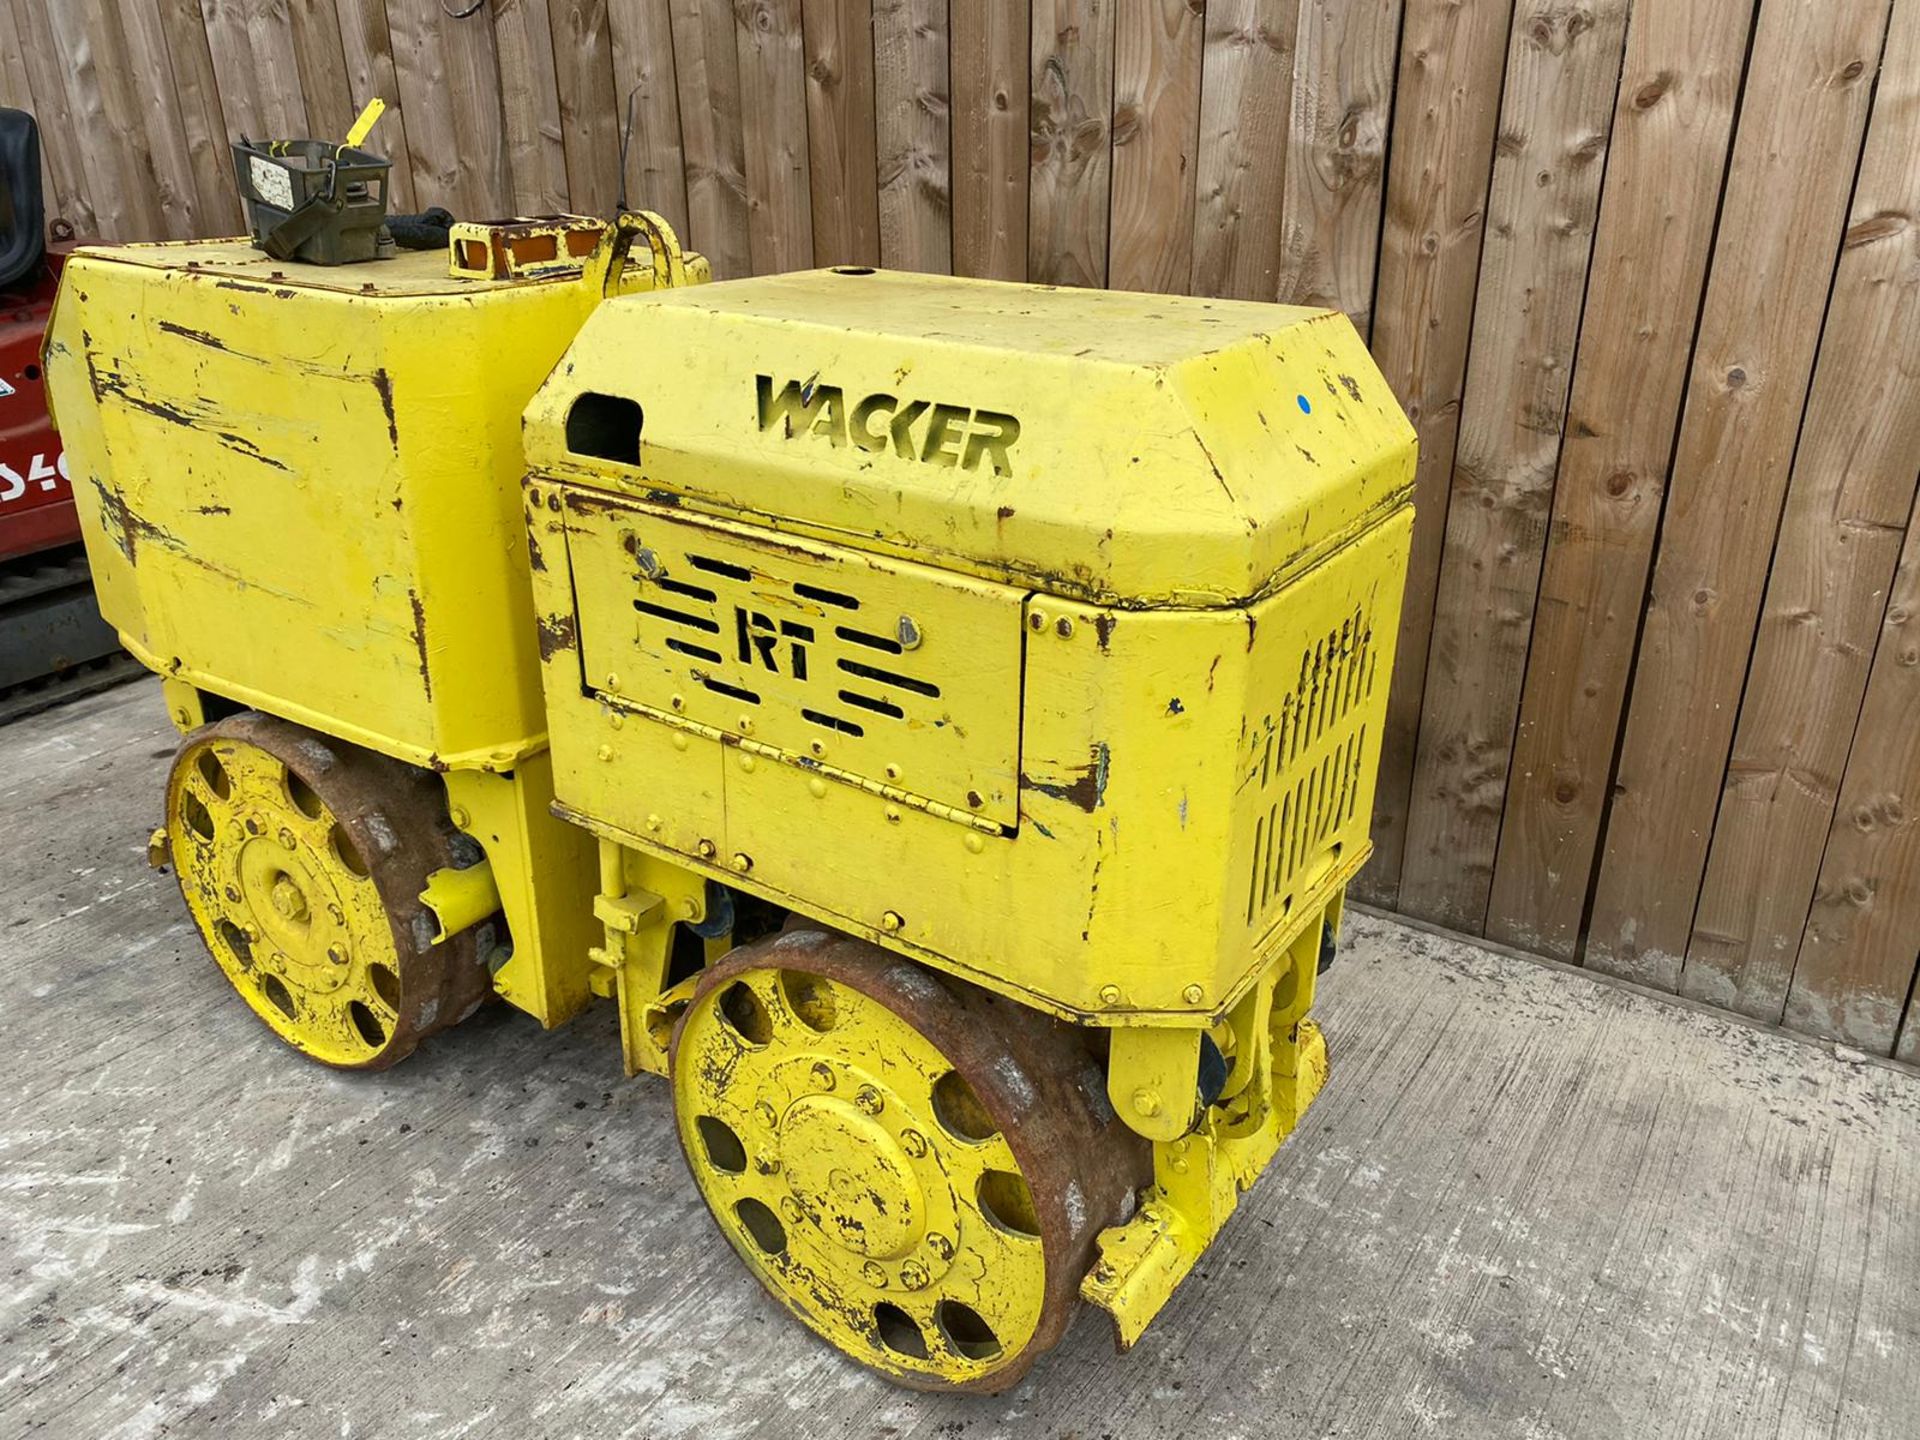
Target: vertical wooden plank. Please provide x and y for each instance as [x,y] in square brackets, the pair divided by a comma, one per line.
[85,38]
[988,71]
[1072,107]
[843,171]
[589,113]
[367,45]
[1246,101]
[1451,56]
[1672,121]
[1856,966]
[707,71]
[1809,84]
[643,67]
[910,93]
[449,78]
[69,196]
[536,151]
[1847,505]
[1156,129]
[321,58]
[1336,155]
[773,115]
[143,111]
[1562,67]
[259,68]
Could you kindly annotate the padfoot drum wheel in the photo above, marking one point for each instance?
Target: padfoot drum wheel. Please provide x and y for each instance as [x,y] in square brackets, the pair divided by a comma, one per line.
[302,860]
[916,1169]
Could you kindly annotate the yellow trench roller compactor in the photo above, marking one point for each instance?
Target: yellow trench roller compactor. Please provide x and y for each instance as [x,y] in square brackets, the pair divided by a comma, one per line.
[941,715]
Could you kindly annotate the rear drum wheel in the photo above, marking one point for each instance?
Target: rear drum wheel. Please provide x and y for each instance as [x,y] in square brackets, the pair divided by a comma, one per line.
[915,1169]
[302,860]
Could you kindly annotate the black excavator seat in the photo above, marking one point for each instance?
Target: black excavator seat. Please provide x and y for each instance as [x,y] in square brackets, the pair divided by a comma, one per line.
[22,209]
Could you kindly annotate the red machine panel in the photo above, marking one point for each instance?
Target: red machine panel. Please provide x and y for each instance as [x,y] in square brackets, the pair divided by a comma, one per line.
[36,502]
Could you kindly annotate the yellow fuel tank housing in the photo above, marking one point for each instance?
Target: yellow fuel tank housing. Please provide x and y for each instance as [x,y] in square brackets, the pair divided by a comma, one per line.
[1039,633]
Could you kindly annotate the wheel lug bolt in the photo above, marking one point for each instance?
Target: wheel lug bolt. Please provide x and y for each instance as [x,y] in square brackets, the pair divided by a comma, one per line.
[914,1143]
[941,1247]
[337,954]
[790,1207]
[233,893]
[766,1165]
[763,1112]
[253,825]
[823,1075]
[869,1100]
[286,838]
[913,1275]
[874,1275]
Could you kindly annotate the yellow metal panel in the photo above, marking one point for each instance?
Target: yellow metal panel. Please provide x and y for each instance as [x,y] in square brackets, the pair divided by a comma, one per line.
[1124,449]
[306,498]
[894,673]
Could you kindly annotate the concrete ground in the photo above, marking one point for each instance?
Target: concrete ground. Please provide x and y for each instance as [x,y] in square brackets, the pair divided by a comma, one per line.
[1528,1204]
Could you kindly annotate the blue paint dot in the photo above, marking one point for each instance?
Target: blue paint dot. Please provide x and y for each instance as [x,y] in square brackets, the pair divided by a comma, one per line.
[1305,407]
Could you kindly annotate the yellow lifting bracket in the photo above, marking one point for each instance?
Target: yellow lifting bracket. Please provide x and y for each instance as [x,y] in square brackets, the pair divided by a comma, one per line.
[640,901]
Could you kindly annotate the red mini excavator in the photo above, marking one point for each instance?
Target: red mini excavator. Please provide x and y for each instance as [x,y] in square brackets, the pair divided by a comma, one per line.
[53,642]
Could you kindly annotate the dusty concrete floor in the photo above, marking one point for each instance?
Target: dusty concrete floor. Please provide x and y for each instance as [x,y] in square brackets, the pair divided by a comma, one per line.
[1527,1205]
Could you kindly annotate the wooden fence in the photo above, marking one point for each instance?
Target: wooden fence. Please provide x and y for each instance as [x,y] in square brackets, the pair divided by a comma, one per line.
[1645,273]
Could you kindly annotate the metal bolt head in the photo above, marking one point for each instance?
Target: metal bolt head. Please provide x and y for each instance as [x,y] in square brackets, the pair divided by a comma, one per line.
[654,822]
[1146,1103]
[1036,620]
[742,863]
[914,1143]
[893,814]
[1063,627]
[679,702]
[822,1074]
[253,825]
[605,753]
[1109,994]
[766,1164]
[707,849]
[790,1208]
[337,954]
[746,724]
[286,839]
[1193,994]
[613,681]
[232,892]
[461,819]
[764,1113]
[940,1246]
[649,563]
[913,1275]
[907,632]
[874,1275]
[892,920]
[870,1100]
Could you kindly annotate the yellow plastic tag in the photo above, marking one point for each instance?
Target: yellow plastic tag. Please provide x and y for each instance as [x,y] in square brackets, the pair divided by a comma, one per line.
[363,127]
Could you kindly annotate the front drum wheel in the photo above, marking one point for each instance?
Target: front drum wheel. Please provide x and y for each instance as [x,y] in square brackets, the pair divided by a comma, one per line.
[301,859]
[915,1169]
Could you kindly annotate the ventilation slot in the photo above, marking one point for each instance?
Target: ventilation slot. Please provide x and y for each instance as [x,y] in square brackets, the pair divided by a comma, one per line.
[737,692]
[872,642]
[834,722]
[891,677]
[719,567]
[878,707]
[698,652]
[678,617]
[680,587]
[1296,829]
[825,597]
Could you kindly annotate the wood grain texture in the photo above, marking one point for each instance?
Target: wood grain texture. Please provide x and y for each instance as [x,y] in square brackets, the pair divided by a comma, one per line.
[913,134]
[367,44]
[152,127]
[1855,971]
[1562,67]
[254,54]
[117,161]
[1071,140]
[1667,159]
[319,54]
[536,148]
[773,115]
[1794,156]
[69,191]
[1157,51]
[991,84]
[449,76]
[840,44]
[707,74]
[1246,101]
[590,115]
[643,66]
[1451,56]
[1343,71]
[1847,506]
